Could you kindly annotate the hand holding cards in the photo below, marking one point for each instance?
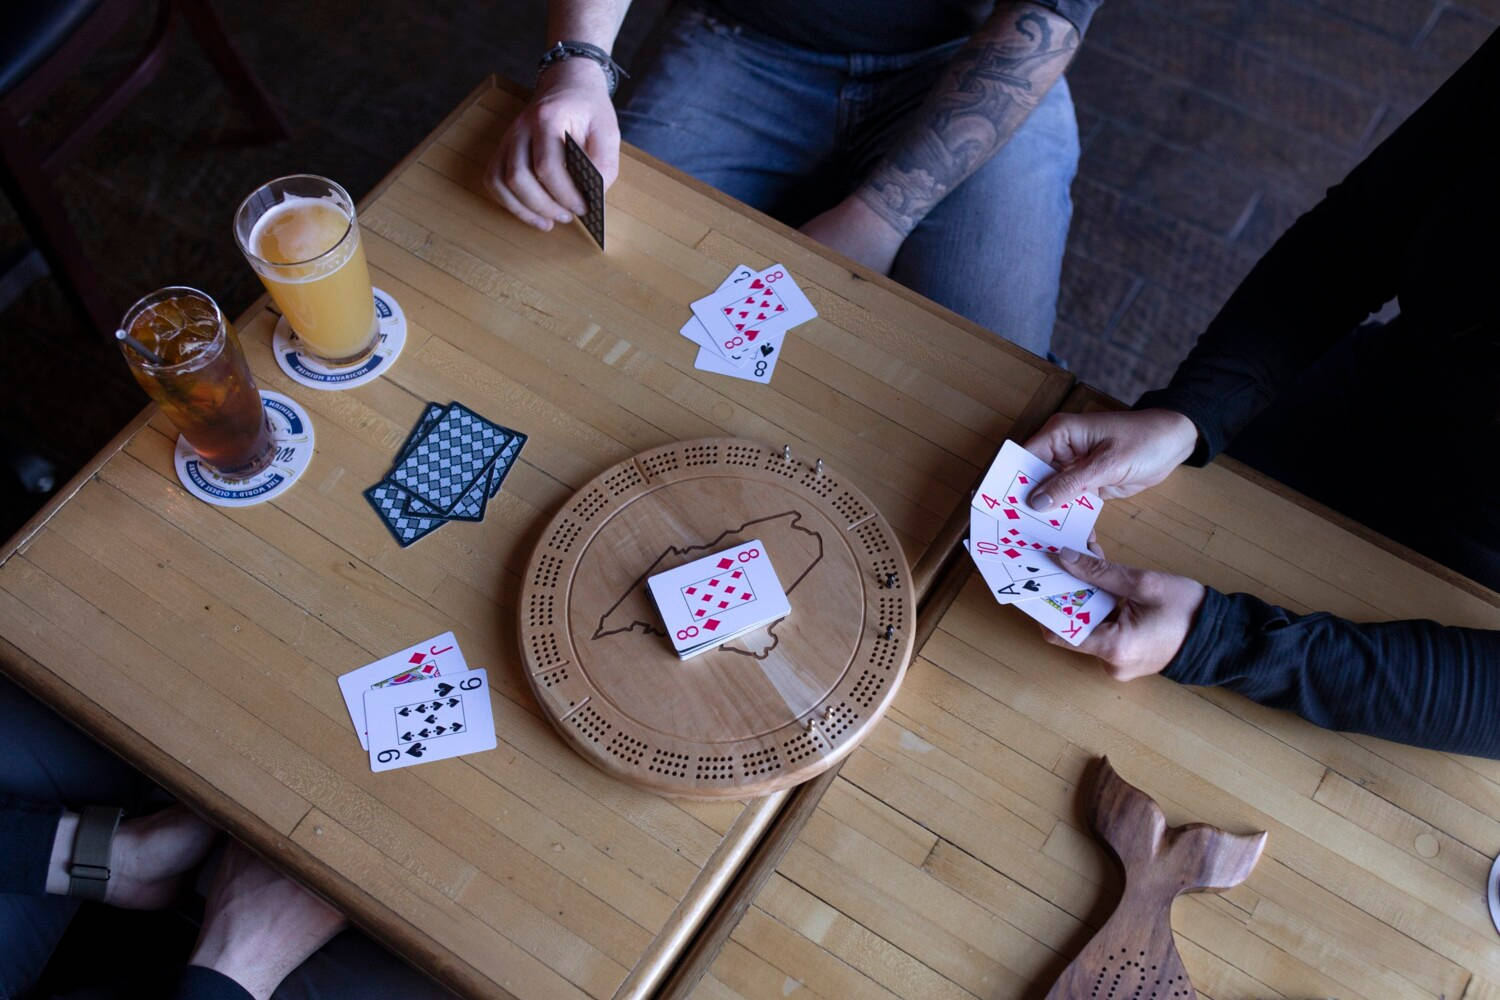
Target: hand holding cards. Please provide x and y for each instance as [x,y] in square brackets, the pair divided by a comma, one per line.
[712,600]
[1015,547]
[419,705]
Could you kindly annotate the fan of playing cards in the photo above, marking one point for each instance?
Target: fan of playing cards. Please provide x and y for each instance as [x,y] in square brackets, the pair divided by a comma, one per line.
[1015,547]
[712,600]
[740,328]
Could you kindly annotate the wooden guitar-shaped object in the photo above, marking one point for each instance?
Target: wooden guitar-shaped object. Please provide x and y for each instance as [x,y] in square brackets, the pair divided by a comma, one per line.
[1133,956]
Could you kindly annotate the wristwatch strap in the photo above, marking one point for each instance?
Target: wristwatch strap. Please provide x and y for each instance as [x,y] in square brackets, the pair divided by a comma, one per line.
[88,874]
[567,50]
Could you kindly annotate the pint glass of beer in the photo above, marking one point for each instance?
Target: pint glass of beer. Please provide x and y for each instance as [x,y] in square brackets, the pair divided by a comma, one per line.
[300,235]
[202,384]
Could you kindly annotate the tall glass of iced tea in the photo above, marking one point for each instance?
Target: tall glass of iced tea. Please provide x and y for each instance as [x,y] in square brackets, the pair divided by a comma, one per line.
[300,235]
[203,384]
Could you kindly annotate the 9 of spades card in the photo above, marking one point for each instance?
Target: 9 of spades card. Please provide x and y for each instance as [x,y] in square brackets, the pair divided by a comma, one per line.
[427,721]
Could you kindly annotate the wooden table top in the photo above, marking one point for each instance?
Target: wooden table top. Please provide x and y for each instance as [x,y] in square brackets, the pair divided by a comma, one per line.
[203,643]
[950,858]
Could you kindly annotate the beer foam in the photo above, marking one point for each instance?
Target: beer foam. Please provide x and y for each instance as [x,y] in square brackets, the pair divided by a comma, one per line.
[299,231]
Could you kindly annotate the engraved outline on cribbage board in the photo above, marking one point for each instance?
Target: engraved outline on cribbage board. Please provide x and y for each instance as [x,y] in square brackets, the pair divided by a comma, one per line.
[708,548]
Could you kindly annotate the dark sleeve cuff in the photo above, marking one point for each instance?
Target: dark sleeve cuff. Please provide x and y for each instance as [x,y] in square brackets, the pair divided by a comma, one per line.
[27,830]
[1080,12]
[198,983]
[1212,634]
[1211,434]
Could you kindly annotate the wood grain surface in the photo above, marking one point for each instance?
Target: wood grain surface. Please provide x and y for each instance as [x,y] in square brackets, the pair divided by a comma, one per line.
[761,712]
[951,855]
[203,643]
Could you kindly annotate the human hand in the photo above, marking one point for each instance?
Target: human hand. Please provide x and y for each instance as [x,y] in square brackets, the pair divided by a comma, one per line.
[259,925]
[1155,612]
[854,230]
[1109,454]
[528,173]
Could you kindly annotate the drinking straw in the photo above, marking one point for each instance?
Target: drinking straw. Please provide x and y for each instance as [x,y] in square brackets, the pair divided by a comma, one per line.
[140,348]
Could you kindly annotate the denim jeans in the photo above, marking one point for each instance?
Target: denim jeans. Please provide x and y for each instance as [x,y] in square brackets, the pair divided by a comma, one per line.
[792,132]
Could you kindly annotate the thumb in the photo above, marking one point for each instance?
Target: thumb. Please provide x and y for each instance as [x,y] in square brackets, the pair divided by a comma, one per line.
[1068,482]
[603,147]
[1118,580]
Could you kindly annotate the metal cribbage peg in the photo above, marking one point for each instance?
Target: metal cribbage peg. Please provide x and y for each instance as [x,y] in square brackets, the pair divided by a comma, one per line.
[786,453]
[819,467]
[890,580]
[890,632]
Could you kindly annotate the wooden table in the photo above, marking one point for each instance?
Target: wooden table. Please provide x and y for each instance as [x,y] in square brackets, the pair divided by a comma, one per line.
[949,858]
[202,643]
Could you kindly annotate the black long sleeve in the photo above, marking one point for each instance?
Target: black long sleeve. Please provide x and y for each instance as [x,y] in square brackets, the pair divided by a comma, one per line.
[198,983]
[27,830]
[1414,682]
[1410,220]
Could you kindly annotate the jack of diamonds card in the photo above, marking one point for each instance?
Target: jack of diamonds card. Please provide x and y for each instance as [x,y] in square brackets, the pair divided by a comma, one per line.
[423,661]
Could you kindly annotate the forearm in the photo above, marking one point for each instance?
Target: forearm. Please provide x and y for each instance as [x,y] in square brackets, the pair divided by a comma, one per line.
[1413,681]
[983,96]
[596,22]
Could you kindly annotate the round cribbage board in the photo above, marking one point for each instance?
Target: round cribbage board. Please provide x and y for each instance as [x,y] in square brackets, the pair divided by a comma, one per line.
[761,712]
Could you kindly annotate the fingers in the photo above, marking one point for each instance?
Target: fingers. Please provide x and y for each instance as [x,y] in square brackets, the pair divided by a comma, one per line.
[495,181]
[1093,544]
[550,164]
[1122,581]
[1052,444]
[519,177]
[1070,481]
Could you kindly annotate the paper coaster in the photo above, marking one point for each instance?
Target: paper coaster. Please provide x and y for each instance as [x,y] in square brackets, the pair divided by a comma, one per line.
[315,375]
[1495,893]
[292,431]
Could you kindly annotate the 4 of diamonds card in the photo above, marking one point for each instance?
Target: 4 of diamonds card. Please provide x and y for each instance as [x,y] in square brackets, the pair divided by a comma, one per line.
[714,598]
[429,720]
[425,660]
[743,315]
[1006,489]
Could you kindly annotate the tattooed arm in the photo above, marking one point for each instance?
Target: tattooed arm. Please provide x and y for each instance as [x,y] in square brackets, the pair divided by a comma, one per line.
[984,94]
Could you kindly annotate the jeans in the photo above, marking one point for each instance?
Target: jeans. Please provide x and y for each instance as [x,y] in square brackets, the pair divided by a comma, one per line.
[48,760]
[792,132]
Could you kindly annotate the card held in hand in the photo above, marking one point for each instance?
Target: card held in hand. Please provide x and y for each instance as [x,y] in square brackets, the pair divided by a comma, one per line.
[1006,488]
[711,600]
[590,184]
[430,720]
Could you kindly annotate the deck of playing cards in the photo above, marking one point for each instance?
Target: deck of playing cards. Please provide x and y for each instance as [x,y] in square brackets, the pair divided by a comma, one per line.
[740,328]
[420,705]
[451,465]
[712,600]
[1016,547]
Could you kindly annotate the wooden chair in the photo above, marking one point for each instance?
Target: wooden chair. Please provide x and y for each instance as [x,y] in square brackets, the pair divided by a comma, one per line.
[45,42]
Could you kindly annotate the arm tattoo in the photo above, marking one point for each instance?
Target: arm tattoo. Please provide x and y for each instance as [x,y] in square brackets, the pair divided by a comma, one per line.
[985,93]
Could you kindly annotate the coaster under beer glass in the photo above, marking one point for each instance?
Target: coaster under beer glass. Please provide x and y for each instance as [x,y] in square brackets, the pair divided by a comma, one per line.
[202,382]
[301,236]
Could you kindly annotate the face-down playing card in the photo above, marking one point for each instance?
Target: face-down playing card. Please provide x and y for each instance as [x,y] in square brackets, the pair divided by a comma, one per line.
[719,595]
[1006,489]
[590,184]
[430,720]
[444,463]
